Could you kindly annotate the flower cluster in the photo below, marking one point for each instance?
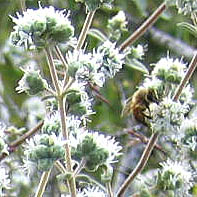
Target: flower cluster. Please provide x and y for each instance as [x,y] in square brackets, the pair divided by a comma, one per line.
[189,132]
[187,7]
[117,25]
[52,125]
[44,150]
[38,28]
[95,148]
[175,176]
[169,70]
[168,116]
[32,82]
[96,67]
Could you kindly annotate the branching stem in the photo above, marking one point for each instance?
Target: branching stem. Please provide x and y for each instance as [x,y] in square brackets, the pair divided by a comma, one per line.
[85,29]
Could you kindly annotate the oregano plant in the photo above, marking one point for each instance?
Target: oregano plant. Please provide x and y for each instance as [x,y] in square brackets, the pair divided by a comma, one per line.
[60,150]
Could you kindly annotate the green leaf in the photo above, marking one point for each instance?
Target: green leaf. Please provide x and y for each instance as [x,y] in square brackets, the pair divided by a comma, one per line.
[141,5]
[191,28]
[135,64]
[97,34]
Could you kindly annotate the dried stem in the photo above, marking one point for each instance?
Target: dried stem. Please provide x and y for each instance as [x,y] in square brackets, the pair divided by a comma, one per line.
[43,182]
[141,164]
[192,67]
[145,140]
[144,27]
[85,29]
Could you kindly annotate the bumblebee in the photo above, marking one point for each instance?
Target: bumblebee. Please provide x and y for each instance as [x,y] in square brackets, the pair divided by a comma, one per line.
[139,103]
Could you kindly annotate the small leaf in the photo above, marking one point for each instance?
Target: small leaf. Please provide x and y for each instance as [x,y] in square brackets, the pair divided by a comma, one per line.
[191,28]
[97,34]
[135,64]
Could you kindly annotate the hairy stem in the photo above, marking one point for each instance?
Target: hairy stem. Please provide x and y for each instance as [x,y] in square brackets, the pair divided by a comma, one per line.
[192,67]
[61,104]
[53,71]
[42,185]
[144,27]
[109,189]
[65,133]
[63,60]
[23,6]
[80,167]
[141,164]
[85,29]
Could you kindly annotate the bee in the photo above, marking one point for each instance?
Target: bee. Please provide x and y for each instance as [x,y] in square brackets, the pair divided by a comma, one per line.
[139,104]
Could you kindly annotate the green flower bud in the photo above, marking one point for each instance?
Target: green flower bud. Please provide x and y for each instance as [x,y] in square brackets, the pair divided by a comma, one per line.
[174,176]
[32,82]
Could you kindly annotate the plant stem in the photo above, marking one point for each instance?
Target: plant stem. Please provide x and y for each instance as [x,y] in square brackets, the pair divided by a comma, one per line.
[80,167]
[144,27]
[192,67]
[53,71]
[61,104]
[23,6]
[42,185]
[141,164]
[61,168]
[72,184]
[61,57]
[109,189]
[85,29]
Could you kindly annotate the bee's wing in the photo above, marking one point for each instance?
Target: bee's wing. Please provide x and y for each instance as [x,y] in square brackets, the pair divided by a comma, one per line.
[127,107]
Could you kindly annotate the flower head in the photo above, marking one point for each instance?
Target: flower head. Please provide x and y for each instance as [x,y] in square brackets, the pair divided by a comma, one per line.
[176,176]
[44,150]
[112,59]
[169,70]
[187,7]
[36,28]
[168,116]
[96,148]
[32,83]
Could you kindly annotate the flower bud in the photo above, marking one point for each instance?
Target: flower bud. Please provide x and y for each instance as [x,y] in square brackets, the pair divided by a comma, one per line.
[32,82]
